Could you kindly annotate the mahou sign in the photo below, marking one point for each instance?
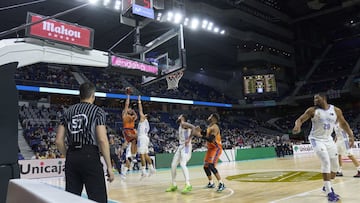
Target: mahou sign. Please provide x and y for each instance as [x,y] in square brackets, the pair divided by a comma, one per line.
[60,31]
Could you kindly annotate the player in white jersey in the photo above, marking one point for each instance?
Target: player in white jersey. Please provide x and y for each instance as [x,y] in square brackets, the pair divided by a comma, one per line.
[182,154]
[323,117]
[143,141]
[344,149]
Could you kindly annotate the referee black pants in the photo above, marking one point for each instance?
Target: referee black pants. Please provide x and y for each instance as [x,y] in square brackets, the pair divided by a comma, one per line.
[83,167]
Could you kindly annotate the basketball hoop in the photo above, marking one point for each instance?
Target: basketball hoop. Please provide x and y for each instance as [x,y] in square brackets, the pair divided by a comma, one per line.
[173,80]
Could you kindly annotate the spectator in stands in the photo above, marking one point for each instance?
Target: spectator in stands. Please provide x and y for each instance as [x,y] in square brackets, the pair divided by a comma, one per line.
[280,151]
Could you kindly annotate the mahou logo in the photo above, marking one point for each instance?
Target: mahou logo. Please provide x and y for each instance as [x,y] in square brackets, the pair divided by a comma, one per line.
[42,168]
[60,31]
[51,27]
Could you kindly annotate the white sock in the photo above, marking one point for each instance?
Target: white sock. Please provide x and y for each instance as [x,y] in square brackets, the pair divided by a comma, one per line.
[211,181]
[143,169]
[125,170]
[151,166]
[327,185]
[220,181]
[340,169]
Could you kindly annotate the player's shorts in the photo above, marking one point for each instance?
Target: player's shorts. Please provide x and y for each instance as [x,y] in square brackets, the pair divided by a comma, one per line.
[212,155]
[324,146]
[183,153]
[129,134]
[143,144]
[343,148]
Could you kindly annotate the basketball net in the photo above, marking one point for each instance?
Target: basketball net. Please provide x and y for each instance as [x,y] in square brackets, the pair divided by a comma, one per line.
[173,80]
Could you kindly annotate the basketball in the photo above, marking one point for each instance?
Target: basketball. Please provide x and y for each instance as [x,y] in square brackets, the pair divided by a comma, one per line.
[128,90]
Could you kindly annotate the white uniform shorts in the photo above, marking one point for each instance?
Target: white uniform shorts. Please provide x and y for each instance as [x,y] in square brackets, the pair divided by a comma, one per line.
[324,146]
[183,153]
[143,144]
[343,148]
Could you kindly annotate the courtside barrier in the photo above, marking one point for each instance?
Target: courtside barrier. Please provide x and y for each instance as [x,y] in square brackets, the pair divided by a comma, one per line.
[22,190]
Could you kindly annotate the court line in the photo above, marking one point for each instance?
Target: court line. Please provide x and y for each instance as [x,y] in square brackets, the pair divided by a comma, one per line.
[308,192]
[288,176]
[222,197]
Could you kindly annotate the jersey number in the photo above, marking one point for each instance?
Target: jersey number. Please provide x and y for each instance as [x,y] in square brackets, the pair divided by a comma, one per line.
[78,122]
[326,126]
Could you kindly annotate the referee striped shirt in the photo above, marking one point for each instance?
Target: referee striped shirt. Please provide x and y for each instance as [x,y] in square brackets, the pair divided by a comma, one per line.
[80,121]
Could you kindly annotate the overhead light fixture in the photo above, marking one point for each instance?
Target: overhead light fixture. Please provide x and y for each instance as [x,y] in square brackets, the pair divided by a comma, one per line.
[204,24]
[117,5]
[210,25]
[93,1]
[216,29]
[170,16]
[106,2]
[222,32]
[194,23]
[178,18]
[186,21]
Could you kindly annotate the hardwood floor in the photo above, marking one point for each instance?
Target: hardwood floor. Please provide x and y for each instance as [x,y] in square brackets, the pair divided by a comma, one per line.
[152,189]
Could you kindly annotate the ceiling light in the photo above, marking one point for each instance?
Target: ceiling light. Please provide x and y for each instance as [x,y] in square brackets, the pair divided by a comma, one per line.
[178,18]
[204,24]
[170,16]
[117,5]
[194,23]
[93,1]
[186,21]
[210,25]
[106,2]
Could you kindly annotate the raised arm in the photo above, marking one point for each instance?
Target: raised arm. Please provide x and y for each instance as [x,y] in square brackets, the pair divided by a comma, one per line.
[127,103]
[141,112]
[344,125]
[303,118]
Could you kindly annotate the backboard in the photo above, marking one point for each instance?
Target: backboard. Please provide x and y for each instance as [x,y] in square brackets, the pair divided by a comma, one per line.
[167,52]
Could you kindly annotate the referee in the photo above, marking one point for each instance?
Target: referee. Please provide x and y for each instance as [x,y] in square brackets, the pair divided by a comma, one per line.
[83,124]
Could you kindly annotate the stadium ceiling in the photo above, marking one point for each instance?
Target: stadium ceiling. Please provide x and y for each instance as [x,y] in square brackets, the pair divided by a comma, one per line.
[243,19]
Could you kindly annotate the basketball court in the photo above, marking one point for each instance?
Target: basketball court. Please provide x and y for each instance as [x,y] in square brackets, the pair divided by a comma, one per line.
[275,180]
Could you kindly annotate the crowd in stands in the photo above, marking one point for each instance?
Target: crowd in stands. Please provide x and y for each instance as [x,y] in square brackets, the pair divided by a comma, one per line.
[43,75]
[187,89]
[104,81]
[334,70]
[238,131]
[107,80]
[39,125]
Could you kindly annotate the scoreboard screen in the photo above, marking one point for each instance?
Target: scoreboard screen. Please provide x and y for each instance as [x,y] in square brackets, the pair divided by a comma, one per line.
[259,84]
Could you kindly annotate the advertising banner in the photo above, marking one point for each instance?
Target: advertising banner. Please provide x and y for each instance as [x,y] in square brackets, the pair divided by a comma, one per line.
[60,31]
